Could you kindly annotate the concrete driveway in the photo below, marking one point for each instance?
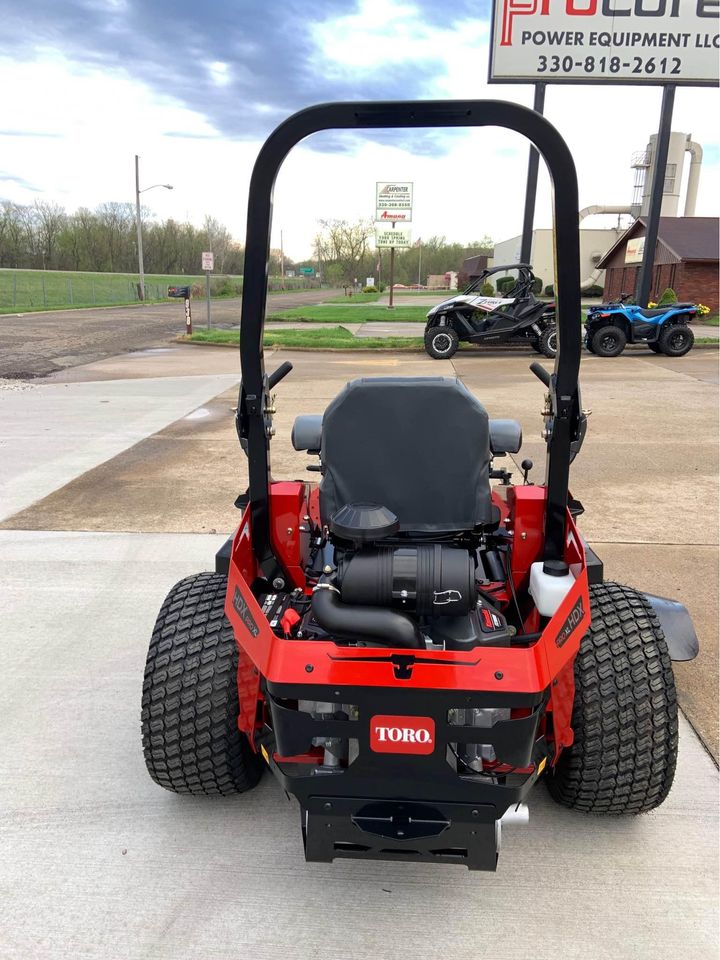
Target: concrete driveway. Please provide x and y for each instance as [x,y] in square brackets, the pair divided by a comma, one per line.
[117,480]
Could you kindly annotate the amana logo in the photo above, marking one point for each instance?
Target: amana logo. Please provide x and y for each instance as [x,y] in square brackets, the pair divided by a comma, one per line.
[391,734]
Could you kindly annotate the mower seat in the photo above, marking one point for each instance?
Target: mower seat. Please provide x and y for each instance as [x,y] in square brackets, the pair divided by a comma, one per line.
[419,446]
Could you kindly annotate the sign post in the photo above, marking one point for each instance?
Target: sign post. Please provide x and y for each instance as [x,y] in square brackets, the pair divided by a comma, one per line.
[393,204]
[391,237]
[208,264]
[531,187]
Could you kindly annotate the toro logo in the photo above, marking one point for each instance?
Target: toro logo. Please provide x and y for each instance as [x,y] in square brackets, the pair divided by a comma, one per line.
[402,734]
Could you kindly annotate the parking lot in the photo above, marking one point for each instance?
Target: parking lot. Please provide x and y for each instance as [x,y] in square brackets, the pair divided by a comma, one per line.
[117,479]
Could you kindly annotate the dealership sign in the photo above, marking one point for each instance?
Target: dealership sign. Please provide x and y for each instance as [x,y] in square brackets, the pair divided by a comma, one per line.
[391,237]
[393,201]
[601,41]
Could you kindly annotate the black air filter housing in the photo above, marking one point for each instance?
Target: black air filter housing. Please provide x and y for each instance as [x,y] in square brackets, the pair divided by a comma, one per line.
[432,579]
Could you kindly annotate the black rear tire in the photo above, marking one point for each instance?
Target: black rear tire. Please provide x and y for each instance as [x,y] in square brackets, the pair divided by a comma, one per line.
[548,342]
[441,343]
[588,344]
[655,347]
[624,718]
[676,340]
[190,703]
[609,341]
[536,346]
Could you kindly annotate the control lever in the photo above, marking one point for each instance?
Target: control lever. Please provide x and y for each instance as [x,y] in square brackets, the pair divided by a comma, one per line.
[526,467]
[541,373]
[277,375]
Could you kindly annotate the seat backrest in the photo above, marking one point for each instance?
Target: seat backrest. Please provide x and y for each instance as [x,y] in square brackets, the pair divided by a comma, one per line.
[417,445]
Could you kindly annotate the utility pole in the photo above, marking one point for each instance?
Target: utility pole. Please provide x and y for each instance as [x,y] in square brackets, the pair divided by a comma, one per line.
[282,262]
[531,187]
[138,221]
[141,265]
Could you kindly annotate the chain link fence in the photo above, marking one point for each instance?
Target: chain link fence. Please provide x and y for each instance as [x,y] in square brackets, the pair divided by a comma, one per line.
[30,290]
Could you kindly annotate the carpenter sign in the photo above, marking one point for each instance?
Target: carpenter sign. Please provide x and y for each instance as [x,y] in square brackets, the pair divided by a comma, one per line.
[393,201]
[389,237]
[605,41]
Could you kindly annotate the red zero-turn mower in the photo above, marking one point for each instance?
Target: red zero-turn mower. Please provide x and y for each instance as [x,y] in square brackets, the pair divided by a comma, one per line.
[405,648]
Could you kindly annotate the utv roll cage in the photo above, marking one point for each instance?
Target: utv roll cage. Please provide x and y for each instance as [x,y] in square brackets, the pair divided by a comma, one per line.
[523,284]
[254,408]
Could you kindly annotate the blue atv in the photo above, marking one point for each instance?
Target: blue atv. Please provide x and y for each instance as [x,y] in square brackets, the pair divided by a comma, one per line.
[610,326]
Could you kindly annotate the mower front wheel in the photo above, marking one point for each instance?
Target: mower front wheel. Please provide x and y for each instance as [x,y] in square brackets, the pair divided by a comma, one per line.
[190,703]
[441,343]
[622,760]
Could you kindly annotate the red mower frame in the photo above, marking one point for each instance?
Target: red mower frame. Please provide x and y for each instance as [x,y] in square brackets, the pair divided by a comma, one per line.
[257,686]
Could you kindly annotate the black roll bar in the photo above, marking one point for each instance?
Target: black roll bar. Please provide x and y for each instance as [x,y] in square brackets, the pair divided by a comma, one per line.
[253,418]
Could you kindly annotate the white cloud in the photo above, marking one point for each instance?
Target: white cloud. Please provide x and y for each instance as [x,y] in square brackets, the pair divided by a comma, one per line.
[99,118]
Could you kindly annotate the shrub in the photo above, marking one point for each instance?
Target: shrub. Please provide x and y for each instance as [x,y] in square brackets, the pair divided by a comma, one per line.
[487,290]
[537,285]
[593,291]
[369,290]
[550,290]
[668,296]
[222,287]
[505,283]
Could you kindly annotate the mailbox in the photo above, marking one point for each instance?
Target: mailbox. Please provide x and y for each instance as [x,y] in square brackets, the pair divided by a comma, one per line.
[182,293]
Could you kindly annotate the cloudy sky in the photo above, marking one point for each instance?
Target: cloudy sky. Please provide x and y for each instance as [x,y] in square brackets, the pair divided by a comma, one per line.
[194,87]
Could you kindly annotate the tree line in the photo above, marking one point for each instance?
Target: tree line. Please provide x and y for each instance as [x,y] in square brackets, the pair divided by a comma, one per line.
[344,254]
[44,236]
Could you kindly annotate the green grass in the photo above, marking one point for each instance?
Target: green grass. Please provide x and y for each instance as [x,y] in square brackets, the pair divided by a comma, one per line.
[336,338]
[348,314]
[356,298]
[710,321]
[24,291]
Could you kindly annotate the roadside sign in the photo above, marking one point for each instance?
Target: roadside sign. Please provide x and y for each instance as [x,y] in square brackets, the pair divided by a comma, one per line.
[369,281]
[391,237]
[592,41]
[307,271]
[393,201]
[208,261]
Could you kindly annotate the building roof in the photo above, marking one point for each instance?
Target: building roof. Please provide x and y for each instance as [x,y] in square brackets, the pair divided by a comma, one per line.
[474,266]
[687,238]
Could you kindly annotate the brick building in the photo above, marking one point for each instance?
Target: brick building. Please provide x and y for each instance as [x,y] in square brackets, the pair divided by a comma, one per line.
[686,259]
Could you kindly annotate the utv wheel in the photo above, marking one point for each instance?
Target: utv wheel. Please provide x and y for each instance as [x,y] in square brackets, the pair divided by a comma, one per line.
[548,342]
[609,342]
[190,708]
[536,346]
[625,712]
[441,343]
[676,340]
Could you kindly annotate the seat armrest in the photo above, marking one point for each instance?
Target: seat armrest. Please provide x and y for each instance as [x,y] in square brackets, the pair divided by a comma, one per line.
[307,432]
[505,437]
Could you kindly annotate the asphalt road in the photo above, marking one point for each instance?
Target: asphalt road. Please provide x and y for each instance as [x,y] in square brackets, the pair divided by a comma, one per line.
[38,344]
[116,480]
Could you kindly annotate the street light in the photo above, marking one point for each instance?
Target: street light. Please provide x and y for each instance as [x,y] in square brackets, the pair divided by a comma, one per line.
[138,191]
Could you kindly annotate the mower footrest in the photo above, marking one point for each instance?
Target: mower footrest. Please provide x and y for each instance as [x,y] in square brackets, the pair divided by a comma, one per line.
[371,829]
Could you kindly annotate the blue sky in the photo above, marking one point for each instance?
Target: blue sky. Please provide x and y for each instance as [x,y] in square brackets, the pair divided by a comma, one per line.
[194,88]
